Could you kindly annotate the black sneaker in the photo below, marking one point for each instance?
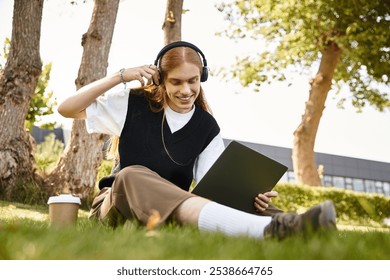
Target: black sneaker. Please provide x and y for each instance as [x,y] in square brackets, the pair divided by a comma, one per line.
[320,217]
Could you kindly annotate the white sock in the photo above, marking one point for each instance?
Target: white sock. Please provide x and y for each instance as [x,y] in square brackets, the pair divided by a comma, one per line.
[232,222]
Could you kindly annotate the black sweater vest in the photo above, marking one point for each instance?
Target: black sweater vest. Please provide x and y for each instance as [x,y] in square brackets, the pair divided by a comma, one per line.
[141,143]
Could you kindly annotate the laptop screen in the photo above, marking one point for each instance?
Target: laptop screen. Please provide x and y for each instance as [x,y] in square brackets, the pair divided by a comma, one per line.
[238,176]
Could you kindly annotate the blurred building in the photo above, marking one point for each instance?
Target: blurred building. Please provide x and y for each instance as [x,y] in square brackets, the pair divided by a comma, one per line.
[342,172]
[39,134]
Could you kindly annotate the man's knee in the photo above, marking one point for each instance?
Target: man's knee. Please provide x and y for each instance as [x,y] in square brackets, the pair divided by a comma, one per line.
[124,178]
[133,170]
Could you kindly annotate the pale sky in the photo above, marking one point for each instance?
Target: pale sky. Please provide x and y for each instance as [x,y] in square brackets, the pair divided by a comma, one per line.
[269,117]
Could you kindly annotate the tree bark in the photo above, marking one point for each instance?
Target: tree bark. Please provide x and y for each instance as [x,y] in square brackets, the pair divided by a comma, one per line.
[304,136]
[77,168]
[17,85]
[172,21]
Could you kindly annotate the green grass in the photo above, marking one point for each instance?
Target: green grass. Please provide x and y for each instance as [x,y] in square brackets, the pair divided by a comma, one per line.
[25,235]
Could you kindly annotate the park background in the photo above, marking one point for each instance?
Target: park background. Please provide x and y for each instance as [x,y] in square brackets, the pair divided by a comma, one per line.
[267,117]
[270,116]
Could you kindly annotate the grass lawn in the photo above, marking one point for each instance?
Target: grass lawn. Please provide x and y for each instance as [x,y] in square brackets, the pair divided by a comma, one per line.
[25,235]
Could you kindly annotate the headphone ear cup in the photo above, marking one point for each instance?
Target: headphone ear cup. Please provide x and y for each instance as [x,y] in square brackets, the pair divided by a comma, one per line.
[205,74]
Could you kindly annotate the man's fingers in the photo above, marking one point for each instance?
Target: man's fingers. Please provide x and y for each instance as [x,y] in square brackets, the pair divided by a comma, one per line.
[271,194]
[261,203]
[263,197]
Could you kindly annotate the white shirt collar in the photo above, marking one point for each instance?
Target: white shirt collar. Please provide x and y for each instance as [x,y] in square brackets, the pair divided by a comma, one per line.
[177,120]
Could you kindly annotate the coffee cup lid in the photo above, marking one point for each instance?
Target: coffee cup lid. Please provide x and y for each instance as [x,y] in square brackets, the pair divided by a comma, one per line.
[64,198]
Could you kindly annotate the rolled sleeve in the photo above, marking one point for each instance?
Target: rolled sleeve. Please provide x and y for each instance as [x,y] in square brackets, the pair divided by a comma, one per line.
[108,113]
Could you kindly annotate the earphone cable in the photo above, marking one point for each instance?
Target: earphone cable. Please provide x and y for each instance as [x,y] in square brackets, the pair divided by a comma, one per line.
[165,147]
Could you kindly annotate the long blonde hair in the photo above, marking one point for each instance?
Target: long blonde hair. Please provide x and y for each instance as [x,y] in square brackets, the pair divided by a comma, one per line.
[157,95]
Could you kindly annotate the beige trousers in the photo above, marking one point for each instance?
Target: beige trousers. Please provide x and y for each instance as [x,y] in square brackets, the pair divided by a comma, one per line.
[136,192]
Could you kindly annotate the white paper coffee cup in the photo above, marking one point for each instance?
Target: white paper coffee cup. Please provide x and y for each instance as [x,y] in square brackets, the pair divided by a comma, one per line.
[63,209]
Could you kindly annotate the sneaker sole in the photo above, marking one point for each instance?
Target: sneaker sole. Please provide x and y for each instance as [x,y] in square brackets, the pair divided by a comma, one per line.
[327,218]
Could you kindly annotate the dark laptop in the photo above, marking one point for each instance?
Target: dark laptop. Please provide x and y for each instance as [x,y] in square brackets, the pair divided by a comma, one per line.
[238,175]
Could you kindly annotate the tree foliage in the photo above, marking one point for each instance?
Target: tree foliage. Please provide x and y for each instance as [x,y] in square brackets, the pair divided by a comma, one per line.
[43,101]
[48,152]
[297,31]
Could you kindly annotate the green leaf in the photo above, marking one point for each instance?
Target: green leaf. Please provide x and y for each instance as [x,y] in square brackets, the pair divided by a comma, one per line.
[300,30]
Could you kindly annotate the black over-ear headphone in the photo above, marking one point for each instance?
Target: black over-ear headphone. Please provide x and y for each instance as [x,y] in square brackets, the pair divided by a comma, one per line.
[205,72]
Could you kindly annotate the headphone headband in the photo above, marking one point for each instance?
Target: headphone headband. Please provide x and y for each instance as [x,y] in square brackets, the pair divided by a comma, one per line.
[176,44]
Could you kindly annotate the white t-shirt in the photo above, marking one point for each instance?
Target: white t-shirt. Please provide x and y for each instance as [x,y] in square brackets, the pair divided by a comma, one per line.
[108,115]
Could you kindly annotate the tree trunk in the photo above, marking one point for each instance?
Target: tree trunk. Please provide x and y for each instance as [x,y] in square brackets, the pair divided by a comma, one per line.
[17,85]
[304,136]
[172,21]
[77,169]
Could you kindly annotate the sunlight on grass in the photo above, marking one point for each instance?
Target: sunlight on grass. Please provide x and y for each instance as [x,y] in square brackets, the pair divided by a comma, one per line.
[362,228]
[12,212]
[25,234]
